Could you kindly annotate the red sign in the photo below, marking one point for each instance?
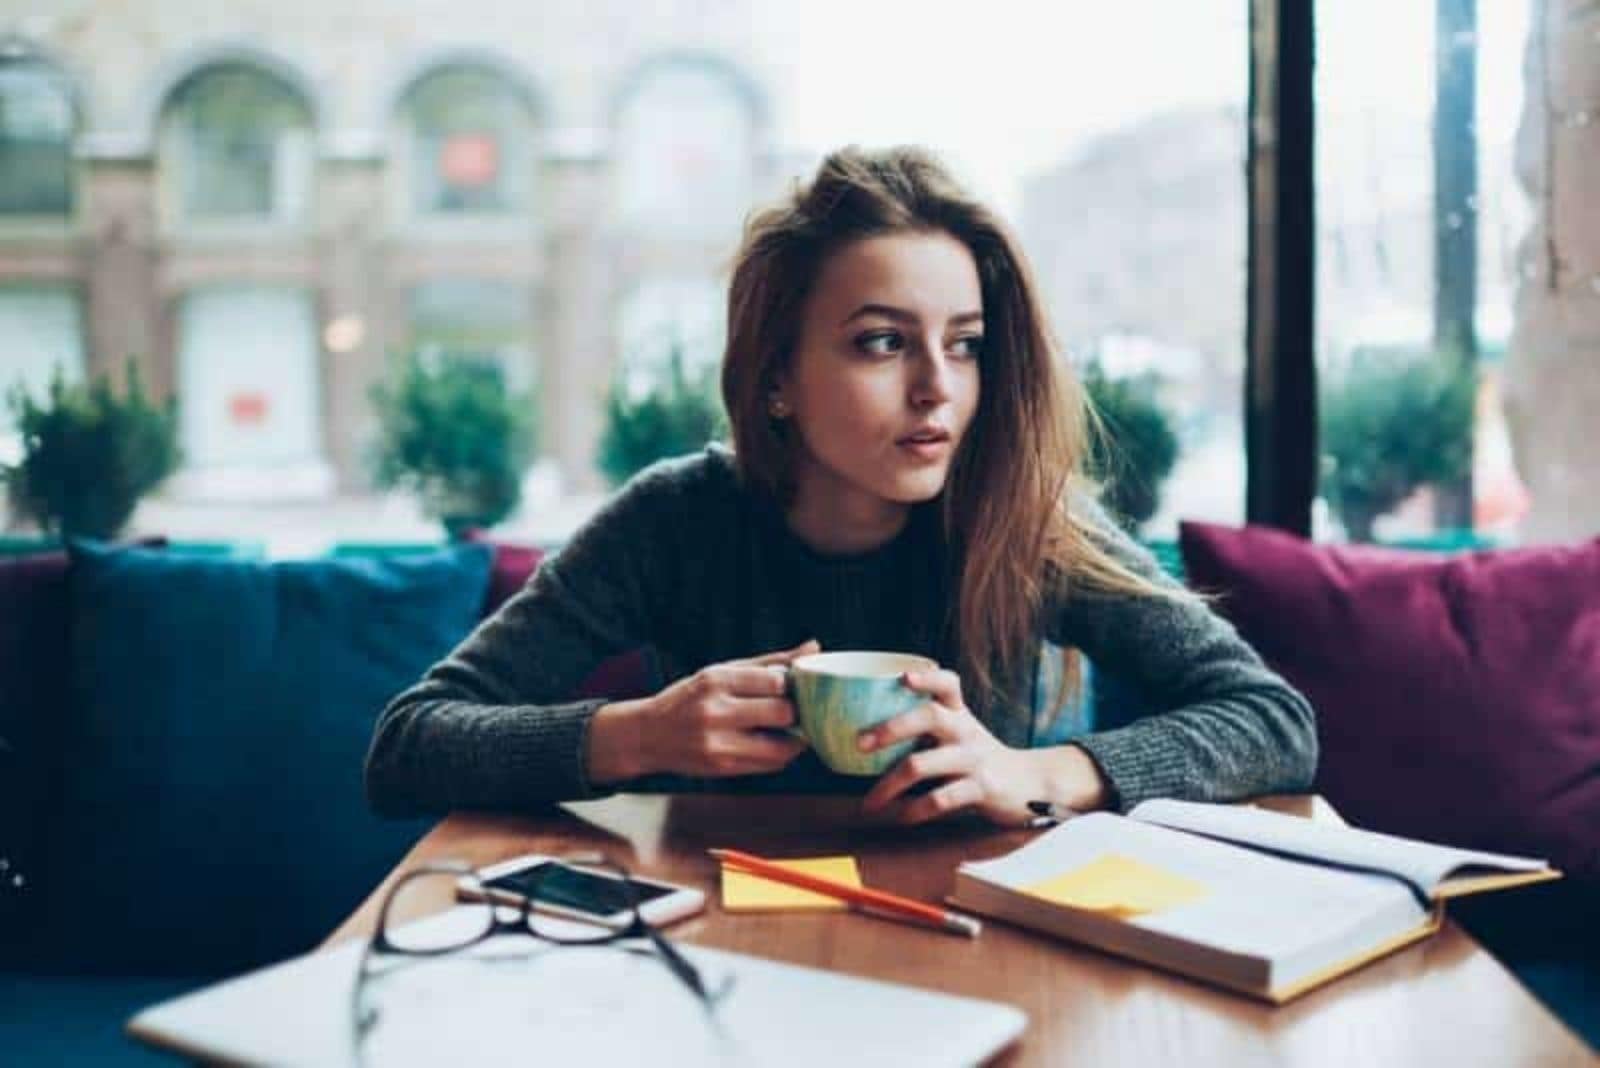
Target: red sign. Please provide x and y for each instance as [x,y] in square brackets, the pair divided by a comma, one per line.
[470,160]
[248,409]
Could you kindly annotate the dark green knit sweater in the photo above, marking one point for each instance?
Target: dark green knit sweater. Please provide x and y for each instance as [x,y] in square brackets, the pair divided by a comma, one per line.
[687,562]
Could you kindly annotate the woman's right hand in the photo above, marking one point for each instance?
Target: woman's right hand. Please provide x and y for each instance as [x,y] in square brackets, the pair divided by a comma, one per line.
[723,720]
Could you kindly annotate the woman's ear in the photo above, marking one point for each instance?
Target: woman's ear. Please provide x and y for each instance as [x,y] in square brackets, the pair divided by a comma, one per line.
[777,399]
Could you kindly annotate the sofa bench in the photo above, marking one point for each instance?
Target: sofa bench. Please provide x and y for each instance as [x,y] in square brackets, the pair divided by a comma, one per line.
[180,790]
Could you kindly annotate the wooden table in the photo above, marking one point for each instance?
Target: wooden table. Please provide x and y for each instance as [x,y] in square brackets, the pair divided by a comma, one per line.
[1443,1001]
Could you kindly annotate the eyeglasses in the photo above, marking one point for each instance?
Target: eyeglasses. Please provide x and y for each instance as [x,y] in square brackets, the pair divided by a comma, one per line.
[484,918]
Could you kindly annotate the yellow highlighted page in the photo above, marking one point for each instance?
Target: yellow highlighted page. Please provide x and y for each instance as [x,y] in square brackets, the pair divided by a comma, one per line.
[743,892]
[1119,885]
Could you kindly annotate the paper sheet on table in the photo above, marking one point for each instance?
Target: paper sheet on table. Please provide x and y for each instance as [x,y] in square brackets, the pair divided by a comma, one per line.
[743,892]
[1119,885]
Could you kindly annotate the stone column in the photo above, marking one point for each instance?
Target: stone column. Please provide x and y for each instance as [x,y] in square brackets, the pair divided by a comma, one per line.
[578,341]
[1553,366]
[119,252]
[350,310]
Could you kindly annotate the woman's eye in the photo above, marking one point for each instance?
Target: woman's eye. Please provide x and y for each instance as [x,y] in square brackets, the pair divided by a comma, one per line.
[882,343]
[970,346]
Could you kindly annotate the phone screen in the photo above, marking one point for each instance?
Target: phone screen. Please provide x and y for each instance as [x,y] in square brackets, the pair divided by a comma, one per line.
[571,888]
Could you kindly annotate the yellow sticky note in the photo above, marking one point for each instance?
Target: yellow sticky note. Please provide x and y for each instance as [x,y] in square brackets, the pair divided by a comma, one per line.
[1119,885]
[743,892]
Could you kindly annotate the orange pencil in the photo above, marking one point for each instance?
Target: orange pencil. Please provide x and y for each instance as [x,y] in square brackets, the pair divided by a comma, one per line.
[863,899]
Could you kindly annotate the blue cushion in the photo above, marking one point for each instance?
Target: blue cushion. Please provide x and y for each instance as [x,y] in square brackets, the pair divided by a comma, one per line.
[213,816]
[78,1020]
[1568,988]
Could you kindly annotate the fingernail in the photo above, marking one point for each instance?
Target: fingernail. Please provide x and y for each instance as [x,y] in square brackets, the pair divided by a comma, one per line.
[866,740]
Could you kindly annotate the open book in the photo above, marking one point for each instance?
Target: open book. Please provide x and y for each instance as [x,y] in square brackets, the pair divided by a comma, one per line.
[1267,904]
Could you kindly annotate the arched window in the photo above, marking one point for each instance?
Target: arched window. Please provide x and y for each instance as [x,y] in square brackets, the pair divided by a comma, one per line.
[237,147]
[469,144]
[36,128]
[686,152]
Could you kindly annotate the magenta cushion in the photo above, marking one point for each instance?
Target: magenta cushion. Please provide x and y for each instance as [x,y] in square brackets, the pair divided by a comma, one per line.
[621,677]
[1457,697]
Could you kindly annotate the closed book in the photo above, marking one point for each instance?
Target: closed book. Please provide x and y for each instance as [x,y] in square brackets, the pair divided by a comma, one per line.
[1259,902]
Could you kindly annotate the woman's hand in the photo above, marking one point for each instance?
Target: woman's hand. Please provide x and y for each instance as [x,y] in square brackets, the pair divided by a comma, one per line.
[978,770]
[725,719]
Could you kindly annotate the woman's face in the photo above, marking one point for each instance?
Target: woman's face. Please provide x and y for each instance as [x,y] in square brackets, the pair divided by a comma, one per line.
[884,381]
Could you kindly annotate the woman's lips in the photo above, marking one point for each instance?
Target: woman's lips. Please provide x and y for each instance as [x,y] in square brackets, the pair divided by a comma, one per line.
[925,448]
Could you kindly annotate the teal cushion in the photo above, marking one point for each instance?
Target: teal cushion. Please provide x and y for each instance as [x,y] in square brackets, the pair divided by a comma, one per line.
[213,816]
[79,1020]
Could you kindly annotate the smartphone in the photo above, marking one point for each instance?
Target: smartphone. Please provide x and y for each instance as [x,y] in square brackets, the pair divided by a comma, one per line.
[590,894]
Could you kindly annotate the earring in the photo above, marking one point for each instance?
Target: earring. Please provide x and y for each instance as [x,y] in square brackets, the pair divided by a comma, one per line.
[778,409]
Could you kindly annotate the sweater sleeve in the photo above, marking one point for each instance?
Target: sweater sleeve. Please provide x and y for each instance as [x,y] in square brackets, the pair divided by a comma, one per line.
[493,725]
[1231,727]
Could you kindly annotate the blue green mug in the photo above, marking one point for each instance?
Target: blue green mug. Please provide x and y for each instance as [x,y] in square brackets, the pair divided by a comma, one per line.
[839,695]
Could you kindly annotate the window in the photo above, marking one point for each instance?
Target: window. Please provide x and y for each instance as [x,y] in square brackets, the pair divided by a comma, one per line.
[1134,217]
[36,127]
[476,318]
[685,153]
[248,380]
[237,147]
[663,319]
[469,144]
[1420,214]
[41,331]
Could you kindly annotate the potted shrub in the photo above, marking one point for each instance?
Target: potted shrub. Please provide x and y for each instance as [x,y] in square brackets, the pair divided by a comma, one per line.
[1135,446]
[677,415]
[450,430]
[88,454]
[1392,421]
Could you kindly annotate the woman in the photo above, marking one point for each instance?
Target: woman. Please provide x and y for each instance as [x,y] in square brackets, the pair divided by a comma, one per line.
[905,475]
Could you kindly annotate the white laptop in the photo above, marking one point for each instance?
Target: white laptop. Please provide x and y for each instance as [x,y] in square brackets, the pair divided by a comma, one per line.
[528,1003]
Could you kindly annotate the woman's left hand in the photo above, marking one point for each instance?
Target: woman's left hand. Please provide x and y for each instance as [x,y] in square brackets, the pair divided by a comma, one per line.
[978,770]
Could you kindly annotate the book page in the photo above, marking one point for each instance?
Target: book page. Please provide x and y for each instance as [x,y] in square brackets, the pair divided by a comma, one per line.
[1423,864]
[1294,914]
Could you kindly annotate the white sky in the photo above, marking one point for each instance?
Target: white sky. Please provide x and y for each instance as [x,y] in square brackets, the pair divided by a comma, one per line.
[1005,88]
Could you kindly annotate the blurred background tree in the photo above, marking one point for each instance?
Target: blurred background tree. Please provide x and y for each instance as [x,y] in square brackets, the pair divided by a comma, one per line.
[676,414]
[88,455]
[1393,420]
[451,431]
[1135,445]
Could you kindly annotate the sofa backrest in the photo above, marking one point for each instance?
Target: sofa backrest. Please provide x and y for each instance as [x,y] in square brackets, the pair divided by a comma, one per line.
[212,815]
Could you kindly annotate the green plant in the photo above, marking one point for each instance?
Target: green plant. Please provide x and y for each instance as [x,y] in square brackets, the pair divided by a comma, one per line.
[1135,446]
[1392,421]
[677,416]
[88,455]
[450,430]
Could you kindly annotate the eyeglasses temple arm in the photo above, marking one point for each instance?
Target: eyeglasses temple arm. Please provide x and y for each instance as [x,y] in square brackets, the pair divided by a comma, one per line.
[675,960]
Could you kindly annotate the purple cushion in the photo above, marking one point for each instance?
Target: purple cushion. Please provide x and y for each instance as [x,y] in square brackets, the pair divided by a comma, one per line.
[1457,698]
[513,565]
[621,677]
[33,697]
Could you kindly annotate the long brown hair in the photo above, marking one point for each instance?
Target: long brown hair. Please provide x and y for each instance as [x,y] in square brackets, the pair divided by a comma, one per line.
[1006,522]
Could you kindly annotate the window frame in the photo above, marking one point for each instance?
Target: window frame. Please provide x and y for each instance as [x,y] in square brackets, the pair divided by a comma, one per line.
[169,153]
[1280,402]
[486,225]
[25,226]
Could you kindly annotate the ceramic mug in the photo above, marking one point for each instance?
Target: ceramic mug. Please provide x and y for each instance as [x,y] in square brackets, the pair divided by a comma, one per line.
[838,695]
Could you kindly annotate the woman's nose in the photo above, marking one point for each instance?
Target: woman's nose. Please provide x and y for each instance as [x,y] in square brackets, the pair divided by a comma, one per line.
[930,384]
